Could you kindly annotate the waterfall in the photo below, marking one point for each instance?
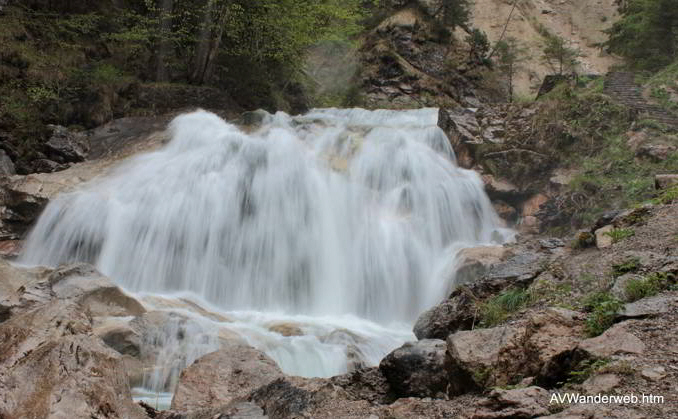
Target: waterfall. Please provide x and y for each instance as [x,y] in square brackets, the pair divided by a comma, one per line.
[340,221]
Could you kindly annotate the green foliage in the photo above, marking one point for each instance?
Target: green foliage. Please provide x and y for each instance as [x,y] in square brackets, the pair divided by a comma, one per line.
[557,55]
[496,309]
[652,284]
[667,196]
[584,370]
[619,234]
[603,309]
[510,56]
[478,43]
[647,33]
[456,13]
[631,264]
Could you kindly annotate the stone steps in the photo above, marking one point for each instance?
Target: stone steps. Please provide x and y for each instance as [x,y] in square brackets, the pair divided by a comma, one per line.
[622,87]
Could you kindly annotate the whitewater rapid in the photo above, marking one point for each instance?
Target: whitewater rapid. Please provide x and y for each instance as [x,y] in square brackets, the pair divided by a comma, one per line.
[342,223]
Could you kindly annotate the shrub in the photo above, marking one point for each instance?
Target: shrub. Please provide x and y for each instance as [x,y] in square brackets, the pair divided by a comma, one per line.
[631,264]
[603,309]
[496,309]
[652,284]
[619,234]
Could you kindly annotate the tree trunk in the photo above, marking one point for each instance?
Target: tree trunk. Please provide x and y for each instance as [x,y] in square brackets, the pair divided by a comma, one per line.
[215,45]
[164,45]
[202,53]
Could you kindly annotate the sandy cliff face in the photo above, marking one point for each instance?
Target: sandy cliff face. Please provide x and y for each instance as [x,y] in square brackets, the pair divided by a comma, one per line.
[580,22]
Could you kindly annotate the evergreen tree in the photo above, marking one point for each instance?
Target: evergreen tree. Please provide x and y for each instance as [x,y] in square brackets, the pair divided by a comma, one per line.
[647,33]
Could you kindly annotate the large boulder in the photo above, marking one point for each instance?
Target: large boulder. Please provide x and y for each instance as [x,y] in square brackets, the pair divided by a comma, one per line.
[24,289]
[52,367]
[416,369]
[224,376]
[615,341]
[539,346]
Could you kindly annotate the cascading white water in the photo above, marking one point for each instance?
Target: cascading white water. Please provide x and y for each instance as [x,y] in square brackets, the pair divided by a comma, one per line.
[338,219]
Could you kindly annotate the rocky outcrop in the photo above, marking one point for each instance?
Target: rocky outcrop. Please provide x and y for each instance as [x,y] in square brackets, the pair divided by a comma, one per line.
[18,210]
[416,369]
[65,146]
[222,377]
[458,312]
[518,403]
[50,363]
[540,346]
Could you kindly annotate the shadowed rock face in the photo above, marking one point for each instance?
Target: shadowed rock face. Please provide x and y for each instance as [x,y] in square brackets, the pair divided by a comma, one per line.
[417,369]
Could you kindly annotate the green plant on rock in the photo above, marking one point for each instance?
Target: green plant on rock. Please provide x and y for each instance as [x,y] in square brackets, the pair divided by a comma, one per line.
[603,309]
[584,370]
[652,284]
[666,197]
[631,264]
[619,234]
[497,309]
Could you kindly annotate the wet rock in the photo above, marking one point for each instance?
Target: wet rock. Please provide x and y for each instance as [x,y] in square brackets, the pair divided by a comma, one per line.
[615,340]
[648,307]
[170,342]
[221,377]
[665,181]
[120,336]
[255,118]
[66,146]
[501,189]
[603,238]
[601,383]
[416,369]
[95,292]
[6,165]
[52,366]
[541,346]
[527,402]
[286,329]
[505,211]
